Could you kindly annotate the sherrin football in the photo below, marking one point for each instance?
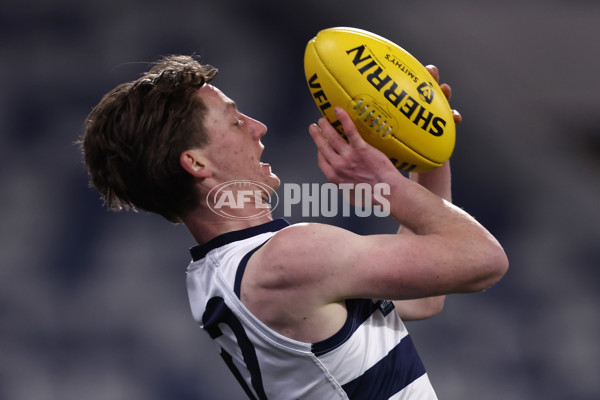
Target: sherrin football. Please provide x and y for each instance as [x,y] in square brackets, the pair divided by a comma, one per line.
[393,100]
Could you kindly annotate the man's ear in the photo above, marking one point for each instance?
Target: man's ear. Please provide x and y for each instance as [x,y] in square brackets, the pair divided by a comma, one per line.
[195,164]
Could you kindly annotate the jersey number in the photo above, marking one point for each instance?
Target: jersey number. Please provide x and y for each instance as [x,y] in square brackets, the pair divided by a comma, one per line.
[217,313]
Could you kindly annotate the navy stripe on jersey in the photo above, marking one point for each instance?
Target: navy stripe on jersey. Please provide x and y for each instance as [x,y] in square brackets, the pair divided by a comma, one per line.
[385,378]
[198,252]
[217,313]
[242,267]
[236,373]
[359,310]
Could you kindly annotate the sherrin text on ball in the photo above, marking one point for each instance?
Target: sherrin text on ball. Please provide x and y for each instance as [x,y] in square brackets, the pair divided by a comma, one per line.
[394,101]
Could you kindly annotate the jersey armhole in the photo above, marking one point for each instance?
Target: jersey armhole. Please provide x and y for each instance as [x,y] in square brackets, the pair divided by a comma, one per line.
[242,267]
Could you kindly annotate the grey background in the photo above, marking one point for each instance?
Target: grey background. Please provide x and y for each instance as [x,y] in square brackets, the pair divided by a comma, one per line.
[93,303]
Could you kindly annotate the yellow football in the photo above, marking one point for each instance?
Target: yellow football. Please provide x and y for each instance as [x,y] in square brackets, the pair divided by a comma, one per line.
[394,101]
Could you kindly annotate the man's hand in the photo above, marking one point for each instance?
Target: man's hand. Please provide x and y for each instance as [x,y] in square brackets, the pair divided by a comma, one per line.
[354,161]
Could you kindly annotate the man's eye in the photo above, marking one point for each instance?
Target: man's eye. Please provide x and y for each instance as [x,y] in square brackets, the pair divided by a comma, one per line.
[238,122]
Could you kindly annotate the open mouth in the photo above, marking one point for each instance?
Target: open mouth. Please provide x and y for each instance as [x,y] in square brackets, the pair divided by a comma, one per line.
[262,164]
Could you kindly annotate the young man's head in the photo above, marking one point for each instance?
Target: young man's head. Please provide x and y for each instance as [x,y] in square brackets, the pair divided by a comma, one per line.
[235,148]
[135,136]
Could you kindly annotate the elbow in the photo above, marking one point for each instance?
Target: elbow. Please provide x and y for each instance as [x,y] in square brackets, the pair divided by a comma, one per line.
[499,263]
[493,267]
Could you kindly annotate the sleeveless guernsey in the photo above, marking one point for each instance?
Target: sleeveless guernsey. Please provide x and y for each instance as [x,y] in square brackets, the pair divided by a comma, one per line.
[370,357]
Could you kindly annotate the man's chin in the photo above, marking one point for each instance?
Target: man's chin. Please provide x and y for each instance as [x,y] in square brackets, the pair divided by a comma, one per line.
[273,181]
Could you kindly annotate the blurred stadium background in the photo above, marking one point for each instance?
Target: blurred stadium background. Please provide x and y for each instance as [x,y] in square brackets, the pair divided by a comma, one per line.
[93,304]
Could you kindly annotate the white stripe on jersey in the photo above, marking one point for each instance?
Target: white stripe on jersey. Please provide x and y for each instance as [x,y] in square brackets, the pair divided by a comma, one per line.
[414,391]
[362,349]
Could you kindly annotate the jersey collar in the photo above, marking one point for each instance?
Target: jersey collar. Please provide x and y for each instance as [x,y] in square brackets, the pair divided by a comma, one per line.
[198,252]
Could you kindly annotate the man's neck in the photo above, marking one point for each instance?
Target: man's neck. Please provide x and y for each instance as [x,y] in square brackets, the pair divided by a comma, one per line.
[205,225]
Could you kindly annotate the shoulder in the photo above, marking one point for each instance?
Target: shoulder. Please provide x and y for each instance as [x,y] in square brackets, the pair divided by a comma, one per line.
[305,235]
[307,242]
[300,254]
[285,283]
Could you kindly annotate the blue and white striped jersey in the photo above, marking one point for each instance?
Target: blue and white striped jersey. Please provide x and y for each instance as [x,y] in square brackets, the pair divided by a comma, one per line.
[370,357]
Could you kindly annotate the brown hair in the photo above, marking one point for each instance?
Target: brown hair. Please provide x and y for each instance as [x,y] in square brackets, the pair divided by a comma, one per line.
[133,138]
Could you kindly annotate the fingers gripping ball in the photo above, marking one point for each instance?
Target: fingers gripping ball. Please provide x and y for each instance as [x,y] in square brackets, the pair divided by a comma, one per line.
[393,100]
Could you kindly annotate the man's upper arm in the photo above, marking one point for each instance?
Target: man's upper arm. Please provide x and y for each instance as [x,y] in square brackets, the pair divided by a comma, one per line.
[332,264]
